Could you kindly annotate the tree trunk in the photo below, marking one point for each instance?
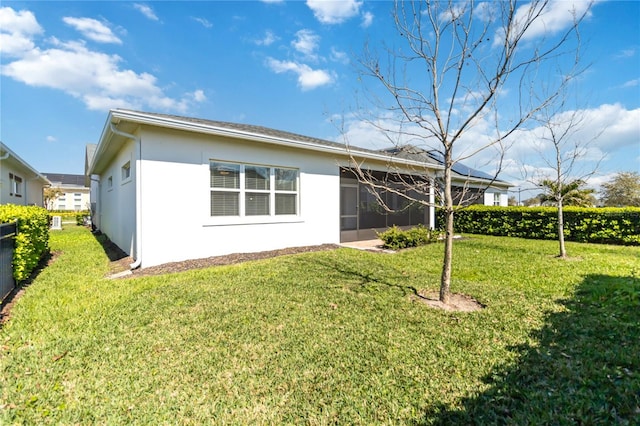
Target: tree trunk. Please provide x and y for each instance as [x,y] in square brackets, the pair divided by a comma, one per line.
[563,251]
[445,280]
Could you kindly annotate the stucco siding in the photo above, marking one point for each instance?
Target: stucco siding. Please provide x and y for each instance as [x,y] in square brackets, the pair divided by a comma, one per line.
[30,191]
[117,207]
[175,194]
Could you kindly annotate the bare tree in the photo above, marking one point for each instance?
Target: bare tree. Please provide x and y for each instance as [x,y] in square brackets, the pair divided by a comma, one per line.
[461,65]
[566,170]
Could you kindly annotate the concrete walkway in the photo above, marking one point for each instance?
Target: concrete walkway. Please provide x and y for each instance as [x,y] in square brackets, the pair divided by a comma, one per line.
[370,245]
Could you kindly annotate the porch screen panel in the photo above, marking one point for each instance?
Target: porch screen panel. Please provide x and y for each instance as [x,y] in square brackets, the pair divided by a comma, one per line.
[371,213]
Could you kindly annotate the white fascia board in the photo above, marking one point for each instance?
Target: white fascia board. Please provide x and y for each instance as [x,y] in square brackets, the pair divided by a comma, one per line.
[141,118]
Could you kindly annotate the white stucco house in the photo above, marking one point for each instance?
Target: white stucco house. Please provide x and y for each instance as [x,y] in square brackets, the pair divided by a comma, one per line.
[74,195]
[168,188]
[20,183]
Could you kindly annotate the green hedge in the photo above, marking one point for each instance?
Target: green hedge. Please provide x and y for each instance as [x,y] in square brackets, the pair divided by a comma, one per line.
[32,241]
[78,215]
[594,225]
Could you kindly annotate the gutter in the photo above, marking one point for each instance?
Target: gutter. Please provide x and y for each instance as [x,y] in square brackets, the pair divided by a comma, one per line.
[136,264]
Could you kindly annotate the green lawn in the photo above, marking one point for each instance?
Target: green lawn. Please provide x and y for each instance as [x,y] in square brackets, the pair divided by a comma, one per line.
[329,338]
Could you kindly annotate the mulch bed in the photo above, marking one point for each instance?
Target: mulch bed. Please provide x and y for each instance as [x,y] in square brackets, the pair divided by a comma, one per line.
[229,259]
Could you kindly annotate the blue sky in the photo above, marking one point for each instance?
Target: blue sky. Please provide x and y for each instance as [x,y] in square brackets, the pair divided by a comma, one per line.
[284,65]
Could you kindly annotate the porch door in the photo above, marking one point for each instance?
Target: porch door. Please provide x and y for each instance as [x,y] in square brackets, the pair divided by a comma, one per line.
[348,212]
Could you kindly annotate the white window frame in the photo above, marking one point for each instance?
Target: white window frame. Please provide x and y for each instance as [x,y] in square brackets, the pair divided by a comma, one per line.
[125,172]
[496,199]
[15,185]
[243,191]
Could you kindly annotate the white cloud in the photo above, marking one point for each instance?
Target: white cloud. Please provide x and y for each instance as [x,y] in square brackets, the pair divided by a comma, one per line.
[199,96]
[626,53]
[95,78]
[268,39]
[631,83]
[559,15]
[334,12]
[339,56]
[367,19]
[17,30]
[308,78]
[92,29]
[202,21]
[306,42]
[146,11]
[51,139]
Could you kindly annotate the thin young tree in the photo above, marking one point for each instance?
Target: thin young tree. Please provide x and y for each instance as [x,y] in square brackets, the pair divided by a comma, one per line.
[564,146]
[460,67]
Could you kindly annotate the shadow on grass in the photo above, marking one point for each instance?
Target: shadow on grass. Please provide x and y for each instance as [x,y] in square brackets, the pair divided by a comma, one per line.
[389,277]
[585,368]
[112,251]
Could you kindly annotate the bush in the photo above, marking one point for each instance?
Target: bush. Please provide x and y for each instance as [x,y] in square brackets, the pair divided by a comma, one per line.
[592,225]
[32,241]
[395,238]
[82,218]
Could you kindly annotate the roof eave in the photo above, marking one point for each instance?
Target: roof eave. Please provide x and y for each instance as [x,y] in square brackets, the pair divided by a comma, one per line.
[141,118]
[24,164]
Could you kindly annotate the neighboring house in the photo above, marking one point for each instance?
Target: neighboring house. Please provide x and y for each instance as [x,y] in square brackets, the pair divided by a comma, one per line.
[74,194]
[19,182]
[173,188]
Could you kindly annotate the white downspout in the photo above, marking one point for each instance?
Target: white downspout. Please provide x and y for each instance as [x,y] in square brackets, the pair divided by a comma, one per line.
[136,139]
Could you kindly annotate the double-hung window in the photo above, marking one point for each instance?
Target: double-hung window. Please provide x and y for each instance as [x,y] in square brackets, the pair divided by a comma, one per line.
[16,185]
[246,190]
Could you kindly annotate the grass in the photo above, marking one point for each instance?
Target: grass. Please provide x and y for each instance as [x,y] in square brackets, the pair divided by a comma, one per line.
[329,338]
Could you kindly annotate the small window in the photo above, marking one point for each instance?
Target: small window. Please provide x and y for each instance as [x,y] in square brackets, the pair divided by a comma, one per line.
[110,182]
[126,170]
[62,199]
[77,207]
[62,206]
[496,199]
[77,194]
[15,185]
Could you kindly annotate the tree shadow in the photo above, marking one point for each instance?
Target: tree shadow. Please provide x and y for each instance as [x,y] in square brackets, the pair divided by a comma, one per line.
[584,367]
[390,277]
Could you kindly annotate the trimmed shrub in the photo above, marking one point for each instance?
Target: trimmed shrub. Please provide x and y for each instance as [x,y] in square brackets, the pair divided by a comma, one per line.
[395,238]
[32,241]
[593,225]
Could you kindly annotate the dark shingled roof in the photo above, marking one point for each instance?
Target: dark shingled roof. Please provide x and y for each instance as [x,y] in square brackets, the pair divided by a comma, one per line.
[65,179]
[249,128]
[411,152]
